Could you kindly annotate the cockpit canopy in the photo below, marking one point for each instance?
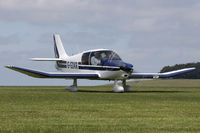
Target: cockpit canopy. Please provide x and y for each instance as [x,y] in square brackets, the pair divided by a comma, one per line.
[99,57]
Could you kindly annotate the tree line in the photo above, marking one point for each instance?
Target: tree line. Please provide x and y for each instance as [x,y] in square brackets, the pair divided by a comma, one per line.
[191,75]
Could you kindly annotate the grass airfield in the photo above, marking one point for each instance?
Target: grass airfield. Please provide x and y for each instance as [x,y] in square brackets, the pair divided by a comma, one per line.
[157,106]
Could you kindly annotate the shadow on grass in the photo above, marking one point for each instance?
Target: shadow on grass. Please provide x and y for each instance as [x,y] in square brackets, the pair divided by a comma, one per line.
[156,92]
[95,91]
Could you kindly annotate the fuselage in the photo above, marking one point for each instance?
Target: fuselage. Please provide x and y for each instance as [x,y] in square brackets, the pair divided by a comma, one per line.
[106,63]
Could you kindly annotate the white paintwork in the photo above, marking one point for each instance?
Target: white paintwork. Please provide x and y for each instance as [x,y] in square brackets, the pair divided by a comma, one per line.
[46,59]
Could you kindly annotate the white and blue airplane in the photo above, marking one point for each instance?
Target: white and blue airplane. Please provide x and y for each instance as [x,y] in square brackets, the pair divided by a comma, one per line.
[98,64]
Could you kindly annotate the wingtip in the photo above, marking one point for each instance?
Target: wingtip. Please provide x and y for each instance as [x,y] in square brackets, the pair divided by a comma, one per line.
[8,66]
[32,59]
[192,68]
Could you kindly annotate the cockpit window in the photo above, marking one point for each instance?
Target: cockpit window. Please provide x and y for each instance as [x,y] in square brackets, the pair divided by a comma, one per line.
[99,57]
[85,58]
[112,56]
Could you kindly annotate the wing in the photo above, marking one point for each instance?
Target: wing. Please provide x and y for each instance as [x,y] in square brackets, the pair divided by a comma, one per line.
[161,75]
[41,74]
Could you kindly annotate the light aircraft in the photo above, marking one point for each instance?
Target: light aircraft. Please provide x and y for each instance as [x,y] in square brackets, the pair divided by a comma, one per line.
[98,64]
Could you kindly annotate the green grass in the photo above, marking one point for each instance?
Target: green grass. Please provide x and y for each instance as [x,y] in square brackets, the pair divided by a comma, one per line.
[153,107]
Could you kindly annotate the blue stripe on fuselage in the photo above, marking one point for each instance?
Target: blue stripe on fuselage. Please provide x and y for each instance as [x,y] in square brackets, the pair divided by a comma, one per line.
[99,68]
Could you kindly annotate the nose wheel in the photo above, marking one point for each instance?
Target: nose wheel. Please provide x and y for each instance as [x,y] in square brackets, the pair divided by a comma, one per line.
[123,88]
[117,88]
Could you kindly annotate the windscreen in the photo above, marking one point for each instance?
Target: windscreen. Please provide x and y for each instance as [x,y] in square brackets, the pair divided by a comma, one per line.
[98,57]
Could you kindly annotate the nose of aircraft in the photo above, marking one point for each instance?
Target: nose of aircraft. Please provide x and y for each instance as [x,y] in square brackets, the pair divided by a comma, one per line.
[119,63]
[126,67]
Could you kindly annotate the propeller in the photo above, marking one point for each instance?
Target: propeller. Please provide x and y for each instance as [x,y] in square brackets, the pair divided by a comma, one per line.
[126,67]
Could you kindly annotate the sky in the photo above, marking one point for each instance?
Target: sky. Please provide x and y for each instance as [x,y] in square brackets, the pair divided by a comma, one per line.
[149,34]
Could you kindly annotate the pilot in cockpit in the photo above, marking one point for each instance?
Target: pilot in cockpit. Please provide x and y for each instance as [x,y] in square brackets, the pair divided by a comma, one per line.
[96,59]
[105,55]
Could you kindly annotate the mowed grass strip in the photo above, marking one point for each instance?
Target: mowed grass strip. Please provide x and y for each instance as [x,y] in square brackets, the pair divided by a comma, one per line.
[153,106]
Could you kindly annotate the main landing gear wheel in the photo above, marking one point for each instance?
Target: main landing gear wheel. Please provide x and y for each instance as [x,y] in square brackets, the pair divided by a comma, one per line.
[73,88]
[123,88]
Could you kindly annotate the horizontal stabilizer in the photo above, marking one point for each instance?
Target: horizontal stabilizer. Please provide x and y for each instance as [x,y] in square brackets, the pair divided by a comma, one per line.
[161,75]
[45,59]
[41,74]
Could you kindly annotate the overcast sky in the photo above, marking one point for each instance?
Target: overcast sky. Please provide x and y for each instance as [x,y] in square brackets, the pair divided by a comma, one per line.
[149,34]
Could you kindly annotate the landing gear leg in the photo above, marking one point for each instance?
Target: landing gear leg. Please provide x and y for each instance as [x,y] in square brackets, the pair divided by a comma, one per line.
[73,88]
[117,88]
[127,88]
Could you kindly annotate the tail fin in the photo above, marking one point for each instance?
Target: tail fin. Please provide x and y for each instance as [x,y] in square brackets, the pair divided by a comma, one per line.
[58,47]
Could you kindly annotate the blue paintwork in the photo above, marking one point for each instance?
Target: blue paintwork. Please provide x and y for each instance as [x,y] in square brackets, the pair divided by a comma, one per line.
[99,68]
[117,63]
[55,49]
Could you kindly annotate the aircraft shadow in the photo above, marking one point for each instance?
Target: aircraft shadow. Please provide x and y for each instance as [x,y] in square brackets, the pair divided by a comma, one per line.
[156,92]
[95,91]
